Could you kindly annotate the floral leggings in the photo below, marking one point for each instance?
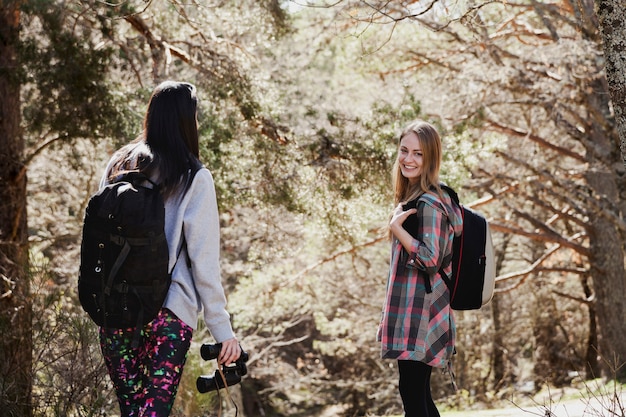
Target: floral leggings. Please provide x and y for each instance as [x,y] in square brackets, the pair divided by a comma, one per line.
[146,378]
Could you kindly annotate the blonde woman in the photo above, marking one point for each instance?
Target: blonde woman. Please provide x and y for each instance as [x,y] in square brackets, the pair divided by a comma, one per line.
[417,327]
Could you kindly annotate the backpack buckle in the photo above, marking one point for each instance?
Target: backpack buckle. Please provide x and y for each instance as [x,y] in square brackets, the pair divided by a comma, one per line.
[122,287]
[117,239]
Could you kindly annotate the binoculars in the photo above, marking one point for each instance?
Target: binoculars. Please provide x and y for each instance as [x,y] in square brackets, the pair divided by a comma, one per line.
[232,373]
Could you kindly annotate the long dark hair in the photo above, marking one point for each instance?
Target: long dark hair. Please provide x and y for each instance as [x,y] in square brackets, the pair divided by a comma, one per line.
[169,140]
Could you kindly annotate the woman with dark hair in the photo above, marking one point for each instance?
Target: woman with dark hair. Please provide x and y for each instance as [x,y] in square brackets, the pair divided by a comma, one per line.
[146,376]
[417,327]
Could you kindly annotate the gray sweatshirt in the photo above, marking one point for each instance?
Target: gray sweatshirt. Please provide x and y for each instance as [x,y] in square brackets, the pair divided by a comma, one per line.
[199,287]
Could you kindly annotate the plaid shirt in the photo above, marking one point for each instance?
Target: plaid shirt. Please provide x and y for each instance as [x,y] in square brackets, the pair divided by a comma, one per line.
[417,322]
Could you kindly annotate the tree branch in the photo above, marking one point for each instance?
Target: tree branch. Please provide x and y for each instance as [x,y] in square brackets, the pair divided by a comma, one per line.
[517,132]
[525,273]
[42,147]
[587,301]
[567,242]
[332,257]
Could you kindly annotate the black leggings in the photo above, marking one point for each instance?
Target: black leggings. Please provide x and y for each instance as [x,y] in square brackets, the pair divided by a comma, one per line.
[415,389]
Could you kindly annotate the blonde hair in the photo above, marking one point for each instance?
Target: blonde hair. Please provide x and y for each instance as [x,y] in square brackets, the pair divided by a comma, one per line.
[430,143]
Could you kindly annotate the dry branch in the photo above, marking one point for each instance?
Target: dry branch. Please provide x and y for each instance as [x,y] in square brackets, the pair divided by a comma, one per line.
[517,132]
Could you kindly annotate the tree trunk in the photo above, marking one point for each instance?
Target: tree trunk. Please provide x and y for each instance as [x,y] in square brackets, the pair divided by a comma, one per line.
[612,19]
[15,303]
[606,246]
[607,270]
[497,352]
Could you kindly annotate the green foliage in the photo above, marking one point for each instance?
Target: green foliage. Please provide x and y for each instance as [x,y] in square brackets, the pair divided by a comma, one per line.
[69,373]
[190,402]
[67,92]
[216,130]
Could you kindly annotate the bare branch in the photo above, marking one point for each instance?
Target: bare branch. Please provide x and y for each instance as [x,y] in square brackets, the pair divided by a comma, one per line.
[332,257]
[588,301]
[517,132]
[525,273]
[42,147]
[567,242]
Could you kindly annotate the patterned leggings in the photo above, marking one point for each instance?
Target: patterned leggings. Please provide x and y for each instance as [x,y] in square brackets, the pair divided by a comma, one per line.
[146,378]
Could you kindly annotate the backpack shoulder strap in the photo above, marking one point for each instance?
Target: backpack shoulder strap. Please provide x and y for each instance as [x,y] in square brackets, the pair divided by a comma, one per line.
[455,198]
[453,195]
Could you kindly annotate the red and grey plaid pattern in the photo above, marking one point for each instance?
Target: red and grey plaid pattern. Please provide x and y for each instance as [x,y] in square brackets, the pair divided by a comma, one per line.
[417,322]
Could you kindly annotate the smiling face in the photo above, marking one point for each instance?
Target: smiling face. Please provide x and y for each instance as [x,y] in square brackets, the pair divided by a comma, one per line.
[410,157]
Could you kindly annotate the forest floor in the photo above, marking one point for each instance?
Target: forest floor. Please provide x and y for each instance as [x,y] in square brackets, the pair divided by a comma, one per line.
[587,399]
[567,402]
[567,408]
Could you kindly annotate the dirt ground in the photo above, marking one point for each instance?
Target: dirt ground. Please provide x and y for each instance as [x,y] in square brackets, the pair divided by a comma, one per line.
[587,399]
[565,403]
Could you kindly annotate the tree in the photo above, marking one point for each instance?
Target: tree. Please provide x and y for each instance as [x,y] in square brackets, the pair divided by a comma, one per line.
[15,303]
[612,21]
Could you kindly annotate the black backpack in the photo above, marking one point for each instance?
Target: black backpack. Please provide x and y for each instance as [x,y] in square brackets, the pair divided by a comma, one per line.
[124,275]
[472,281]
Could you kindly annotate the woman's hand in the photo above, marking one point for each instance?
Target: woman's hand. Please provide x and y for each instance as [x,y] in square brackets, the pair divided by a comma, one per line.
[398,217]
[395,225]
[230,352]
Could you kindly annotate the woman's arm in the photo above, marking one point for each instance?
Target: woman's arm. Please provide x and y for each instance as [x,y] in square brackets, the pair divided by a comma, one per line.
[426,248]
[202,235]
